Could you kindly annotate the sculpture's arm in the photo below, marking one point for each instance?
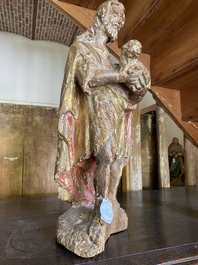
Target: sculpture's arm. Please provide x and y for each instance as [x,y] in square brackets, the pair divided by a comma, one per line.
[102,77]
[89,78]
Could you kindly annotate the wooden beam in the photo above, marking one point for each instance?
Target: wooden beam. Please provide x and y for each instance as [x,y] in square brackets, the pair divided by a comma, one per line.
[163,96]
[94,4]
[176,55]
[188,79]
[171,97]
[189,104]
[190,164]
[35,5]
[162,150]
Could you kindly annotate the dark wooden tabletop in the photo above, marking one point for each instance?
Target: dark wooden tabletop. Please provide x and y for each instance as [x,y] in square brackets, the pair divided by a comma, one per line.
[163,229]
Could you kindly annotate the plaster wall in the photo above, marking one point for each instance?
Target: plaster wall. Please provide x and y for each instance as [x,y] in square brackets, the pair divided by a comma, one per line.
[31,71]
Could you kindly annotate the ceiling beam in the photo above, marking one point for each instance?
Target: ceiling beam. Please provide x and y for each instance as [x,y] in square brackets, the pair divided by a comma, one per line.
[171,104]
[94,4]
[34,19]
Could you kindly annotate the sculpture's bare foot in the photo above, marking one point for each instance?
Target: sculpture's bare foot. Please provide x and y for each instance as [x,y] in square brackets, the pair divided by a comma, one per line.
[82,231]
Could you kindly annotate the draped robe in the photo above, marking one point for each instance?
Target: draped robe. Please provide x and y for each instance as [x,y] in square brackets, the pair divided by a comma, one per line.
[89,117]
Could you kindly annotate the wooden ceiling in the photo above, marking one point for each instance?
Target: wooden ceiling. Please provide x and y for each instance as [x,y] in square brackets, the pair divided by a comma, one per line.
[168,31]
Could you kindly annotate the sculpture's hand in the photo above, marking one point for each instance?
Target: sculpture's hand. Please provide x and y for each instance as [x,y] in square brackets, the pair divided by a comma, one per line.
[138,82]
[124,75]
[135,77]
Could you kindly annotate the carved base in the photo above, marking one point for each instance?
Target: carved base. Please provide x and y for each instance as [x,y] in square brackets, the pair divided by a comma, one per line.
[82,231]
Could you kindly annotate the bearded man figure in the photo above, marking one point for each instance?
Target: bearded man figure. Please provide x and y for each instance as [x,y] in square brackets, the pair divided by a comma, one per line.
[94,135]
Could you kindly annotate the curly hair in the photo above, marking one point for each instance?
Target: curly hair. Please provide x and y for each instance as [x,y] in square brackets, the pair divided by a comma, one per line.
[102,11]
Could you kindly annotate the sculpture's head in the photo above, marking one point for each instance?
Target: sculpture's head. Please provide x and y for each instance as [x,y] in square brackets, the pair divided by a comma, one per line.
[132,49]
[111,14]
[110,18]
[175,140]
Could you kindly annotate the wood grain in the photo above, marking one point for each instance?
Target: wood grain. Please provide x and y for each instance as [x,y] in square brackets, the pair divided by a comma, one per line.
[137,13]
[28,139]
[165,20]
[94,4]
[188,79]
[40,144]
[189,104]
[11,151]
[177,55]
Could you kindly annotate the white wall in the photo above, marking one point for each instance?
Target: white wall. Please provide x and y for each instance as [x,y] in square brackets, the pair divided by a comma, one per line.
[172,129]
[31,72]
[147,101]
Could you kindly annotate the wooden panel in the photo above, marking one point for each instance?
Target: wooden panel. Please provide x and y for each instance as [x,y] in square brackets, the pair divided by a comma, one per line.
[176,56]
[94,4]
[188,79]
[195,124]
[132,173]
[149,149]
[28,139]
[40,145]
[166,20]
[187,127]
[170,96]
[11,151]
[137,13]
[189,104]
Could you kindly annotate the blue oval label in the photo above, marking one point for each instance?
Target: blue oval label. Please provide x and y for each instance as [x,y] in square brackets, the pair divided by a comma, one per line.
[106,211]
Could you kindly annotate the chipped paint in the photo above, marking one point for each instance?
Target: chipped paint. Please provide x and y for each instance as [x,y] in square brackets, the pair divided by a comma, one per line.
[11,158]
[163,166]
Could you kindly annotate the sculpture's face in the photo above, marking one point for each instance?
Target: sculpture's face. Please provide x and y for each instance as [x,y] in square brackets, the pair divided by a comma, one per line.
[131,49]
[114,21]
[175,141]
[136,50]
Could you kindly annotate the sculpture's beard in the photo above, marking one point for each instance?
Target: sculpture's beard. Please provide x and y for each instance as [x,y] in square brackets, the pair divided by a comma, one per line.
[112,32]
